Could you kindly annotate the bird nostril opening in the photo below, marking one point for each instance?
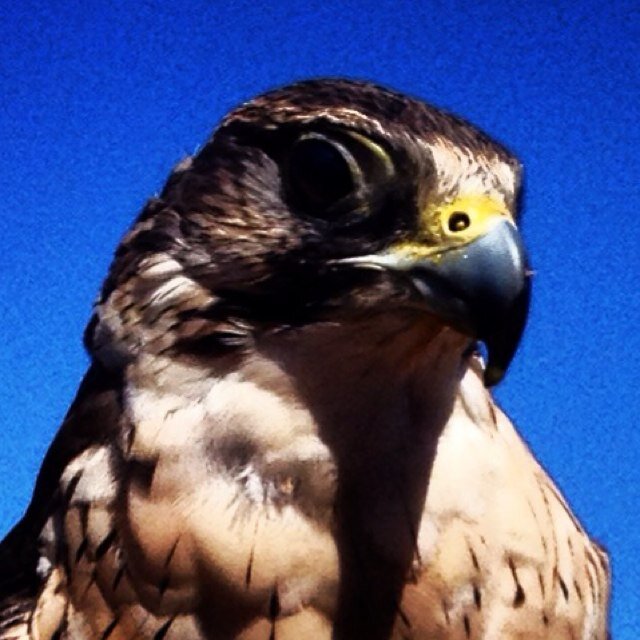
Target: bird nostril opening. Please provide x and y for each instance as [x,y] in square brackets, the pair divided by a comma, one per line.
[459,221]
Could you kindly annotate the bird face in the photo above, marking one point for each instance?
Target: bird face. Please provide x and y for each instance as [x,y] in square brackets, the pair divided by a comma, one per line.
[322,201]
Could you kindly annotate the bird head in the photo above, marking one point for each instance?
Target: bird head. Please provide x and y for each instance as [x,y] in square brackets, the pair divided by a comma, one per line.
[324,200]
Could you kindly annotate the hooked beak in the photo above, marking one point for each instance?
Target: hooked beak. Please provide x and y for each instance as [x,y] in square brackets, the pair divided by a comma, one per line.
[478,283]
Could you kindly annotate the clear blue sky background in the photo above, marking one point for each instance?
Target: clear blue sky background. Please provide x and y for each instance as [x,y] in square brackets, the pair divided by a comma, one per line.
[99,99]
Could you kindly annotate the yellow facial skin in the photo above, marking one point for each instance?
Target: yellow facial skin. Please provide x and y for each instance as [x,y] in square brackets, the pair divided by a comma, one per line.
[452,224]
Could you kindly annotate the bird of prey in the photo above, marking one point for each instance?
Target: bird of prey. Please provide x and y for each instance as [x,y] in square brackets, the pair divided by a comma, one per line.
[286,430]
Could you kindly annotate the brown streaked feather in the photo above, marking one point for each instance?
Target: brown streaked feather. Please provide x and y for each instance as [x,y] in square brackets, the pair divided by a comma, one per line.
[92,418]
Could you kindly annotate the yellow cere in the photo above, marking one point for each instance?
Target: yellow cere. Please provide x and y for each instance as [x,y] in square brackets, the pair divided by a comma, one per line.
[452,224]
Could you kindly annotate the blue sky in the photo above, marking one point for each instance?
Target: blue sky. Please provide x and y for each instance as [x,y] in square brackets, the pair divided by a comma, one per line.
[100,99]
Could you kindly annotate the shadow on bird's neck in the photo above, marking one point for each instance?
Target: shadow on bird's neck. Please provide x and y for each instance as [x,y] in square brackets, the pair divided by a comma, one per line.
[361,379]
[380,390]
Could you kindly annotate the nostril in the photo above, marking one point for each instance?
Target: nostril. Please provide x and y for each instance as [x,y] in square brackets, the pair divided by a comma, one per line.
[459,221]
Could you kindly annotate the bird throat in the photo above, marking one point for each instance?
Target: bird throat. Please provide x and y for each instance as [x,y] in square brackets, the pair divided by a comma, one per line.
[292,480]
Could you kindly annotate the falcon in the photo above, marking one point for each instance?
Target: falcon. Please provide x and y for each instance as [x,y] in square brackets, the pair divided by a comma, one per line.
[286,430]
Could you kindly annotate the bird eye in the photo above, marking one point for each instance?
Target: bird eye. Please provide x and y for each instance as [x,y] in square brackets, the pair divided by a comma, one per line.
[320,172]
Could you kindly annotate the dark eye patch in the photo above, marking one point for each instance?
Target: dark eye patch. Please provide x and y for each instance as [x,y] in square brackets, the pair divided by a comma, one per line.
[320,173]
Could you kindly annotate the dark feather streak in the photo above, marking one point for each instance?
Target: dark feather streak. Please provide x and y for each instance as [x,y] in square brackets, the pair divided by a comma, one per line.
[163,630]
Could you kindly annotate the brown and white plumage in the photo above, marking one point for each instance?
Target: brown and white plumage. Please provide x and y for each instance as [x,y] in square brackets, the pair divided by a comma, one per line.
[284,432]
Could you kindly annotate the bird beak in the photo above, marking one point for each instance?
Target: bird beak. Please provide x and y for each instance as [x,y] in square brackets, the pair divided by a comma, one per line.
[476,276]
